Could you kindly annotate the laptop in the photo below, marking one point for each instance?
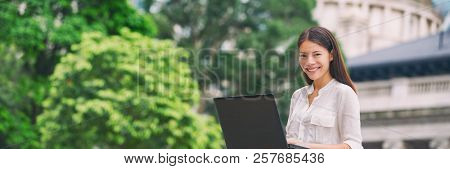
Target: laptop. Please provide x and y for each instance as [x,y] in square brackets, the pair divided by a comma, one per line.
[251,122]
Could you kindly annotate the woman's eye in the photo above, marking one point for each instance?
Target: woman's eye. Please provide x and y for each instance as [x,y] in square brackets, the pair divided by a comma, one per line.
[303,56]
[316,55]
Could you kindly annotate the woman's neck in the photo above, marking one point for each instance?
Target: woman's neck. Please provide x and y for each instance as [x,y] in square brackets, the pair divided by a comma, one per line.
[321,82]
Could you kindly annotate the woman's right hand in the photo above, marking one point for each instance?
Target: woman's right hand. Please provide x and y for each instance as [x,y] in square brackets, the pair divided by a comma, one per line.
[293,141]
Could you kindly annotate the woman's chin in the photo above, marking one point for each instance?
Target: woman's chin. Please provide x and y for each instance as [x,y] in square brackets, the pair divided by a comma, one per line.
[312,77]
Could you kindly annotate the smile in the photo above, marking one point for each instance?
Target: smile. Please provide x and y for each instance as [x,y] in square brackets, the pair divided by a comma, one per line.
[312,69]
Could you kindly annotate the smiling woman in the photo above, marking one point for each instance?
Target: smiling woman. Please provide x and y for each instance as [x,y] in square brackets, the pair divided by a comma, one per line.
[324,114]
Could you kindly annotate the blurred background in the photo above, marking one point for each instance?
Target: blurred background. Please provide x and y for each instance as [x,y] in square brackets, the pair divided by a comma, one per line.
[142,73]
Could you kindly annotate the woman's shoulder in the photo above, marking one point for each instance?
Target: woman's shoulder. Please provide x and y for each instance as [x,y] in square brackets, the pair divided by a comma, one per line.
[343,89]
[299,92]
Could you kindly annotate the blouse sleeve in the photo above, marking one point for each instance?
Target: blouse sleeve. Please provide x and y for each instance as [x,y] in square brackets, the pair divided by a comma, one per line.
[294,98]
[349,122]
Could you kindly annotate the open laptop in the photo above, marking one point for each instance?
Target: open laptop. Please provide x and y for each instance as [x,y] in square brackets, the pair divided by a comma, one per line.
[251,122]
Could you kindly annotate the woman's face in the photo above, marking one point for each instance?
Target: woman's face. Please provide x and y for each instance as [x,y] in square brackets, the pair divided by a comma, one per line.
[314,60]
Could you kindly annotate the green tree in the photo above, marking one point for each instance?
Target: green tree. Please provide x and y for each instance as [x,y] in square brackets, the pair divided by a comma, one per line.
[125,91]
[44,30]
[264,35]
[16,128]
[41,31]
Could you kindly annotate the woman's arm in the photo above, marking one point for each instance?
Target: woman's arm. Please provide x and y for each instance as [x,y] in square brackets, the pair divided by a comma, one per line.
[328,146]
[349,123]
[294,100]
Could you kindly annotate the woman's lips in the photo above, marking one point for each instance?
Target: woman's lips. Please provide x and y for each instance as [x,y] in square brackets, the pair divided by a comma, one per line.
[312,70]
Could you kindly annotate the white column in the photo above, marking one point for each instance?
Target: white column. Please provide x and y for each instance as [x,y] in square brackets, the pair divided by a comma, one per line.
[366,34]
[434,27]
[319,10]
[365,9]
[406,25]
[423,26]
[341,5]
[386,18]
[340,10]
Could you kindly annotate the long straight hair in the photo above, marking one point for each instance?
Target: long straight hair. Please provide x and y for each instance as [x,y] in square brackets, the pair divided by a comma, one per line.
[326,39]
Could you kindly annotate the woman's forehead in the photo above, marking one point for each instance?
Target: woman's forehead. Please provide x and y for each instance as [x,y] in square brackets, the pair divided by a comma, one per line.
[309,47]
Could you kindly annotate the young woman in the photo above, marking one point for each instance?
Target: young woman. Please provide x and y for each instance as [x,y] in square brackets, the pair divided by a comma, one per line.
[324,114]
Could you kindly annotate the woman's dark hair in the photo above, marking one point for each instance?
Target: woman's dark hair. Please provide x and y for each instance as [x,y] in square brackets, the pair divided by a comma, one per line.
[325,38]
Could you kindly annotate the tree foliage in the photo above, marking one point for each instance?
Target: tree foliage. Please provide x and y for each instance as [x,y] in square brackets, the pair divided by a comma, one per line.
[94,84]
[262,34]
[35,34]
[17,92]
[44,30]
[125,91]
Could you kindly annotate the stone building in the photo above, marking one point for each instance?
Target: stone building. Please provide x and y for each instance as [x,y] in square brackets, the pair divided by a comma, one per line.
[404,93]
[368,25]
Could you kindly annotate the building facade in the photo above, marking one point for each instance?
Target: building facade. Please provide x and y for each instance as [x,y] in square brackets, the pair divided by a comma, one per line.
[363,26]
[404,94]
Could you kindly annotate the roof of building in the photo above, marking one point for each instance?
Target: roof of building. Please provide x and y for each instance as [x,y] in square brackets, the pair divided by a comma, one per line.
[424,48]
[429,55]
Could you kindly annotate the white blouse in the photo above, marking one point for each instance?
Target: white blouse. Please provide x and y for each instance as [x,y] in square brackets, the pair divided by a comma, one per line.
[332,118]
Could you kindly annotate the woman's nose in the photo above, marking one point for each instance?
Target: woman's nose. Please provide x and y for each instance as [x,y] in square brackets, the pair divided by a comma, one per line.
[309,60]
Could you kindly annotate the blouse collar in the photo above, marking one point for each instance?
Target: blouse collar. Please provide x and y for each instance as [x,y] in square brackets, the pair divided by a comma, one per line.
[323,89]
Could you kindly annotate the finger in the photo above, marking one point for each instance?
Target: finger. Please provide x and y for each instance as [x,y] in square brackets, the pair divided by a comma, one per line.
[291,141]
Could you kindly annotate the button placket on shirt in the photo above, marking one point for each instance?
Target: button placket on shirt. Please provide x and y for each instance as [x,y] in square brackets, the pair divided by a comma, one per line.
[305,113]
[310,130]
